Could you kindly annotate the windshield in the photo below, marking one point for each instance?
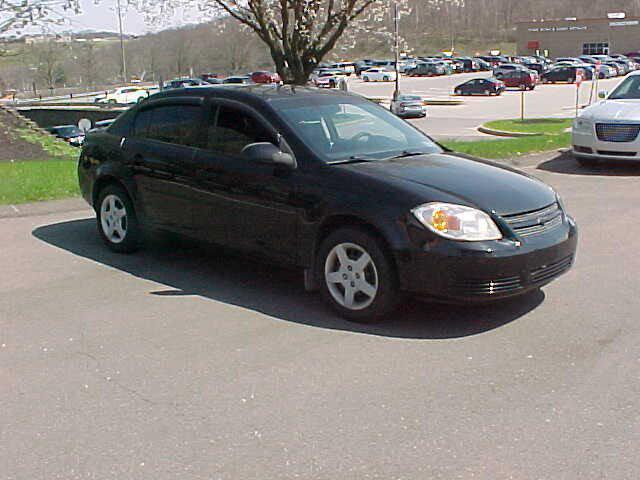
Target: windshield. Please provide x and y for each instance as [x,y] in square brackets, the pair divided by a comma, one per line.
[338,130]
[629,89]
[71,130]
[410,98]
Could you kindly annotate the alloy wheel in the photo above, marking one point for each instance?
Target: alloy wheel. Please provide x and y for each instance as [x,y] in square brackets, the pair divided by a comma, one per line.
[113,218]
[351,276]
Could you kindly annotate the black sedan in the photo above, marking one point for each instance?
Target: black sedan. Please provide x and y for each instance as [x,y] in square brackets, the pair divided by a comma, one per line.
[480,86]
[329,182]
[71,134]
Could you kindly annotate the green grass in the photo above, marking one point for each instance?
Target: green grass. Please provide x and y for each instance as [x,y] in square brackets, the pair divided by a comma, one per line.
[512,147]
[37,180]
[552,130]
[55,148]
[552,126]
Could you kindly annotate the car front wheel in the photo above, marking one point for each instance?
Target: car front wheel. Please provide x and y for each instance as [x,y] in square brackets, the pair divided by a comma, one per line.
[358,278]
[117,221]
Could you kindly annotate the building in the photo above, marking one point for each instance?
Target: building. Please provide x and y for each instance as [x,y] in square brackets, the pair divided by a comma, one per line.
[571,37]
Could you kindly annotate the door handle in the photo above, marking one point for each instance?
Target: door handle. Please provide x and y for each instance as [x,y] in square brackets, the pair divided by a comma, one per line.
[122,141]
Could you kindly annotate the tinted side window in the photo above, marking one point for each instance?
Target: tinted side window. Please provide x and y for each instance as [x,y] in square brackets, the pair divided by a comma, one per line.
[234,130]
[142,122]
[175,124]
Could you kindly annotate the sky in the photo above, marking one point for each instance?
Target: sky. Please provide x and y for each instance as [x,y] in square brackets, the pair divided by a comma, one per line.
[102,16]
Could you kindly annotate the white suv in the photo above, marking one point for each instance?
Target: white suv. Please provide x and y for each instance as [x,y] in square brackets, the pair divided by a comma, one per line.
[610,129]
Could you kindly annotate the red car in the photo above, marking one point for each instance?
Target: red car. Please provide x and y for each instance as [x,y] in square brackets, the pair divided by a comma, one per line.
[265,77]
[522,79]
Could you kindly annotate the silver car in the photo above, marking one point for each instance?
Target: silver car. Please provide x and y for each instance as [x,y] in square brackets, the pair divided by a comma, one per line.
[406,106]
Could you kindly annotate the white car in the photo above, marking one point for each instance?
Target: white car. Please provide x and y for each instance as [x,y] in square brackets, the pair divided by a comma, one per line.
[610,129]
[378,75]
[124,95]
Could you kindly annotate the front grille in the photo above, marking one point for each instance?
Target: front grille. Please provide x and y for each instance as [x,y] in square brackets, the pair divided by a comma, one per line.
[548,272]
[612,153]
[535,222]
[580,149]
[476,287]
[617,132]
[473,287]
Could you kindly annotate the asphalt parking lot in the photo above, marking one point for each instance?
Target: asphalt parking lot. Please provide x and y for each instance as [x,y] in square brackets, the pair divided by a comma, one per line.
[183,362]
[461,121]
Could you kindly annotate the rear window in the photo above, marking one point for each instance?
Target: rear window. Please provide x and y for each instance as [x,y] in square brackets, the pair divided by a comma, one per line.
[176,124]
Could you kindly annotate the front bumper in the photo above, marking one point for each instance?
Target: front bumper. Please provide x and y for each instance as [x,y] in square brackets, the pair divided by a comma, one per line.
[486,271]
[587,145]
[412,113]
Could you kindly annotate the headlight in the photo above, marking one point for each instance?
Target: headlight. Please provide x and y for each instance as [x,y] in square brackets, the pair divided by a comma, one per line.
[582,125]
[457,222]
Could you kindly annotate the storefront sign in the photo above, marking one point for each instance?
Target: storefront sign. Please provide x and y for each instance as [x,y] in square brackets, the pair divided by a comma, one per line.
[572,28]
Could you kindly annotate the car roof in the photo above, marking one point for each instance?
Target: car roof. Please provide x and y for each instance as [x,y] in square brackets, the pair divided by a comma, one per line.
[252,93]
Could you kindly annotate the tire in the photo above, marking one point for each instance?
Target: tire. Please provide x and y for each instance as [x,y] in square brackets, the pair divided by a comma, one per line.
[379,275]
[386,79]
[116,220]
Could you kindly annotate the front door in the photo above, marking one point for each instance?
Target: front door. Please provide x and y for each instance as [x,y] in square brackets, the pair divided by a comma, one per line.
[244,204]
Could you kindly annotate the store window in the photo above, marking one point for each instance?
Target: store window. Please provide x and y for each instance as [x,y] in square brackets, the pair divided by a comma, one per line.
[601,48]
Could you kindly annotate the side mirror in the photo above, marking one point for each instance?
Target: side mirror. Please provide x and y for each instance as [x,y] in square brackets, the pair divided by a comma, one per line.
[268,154]
[603,94]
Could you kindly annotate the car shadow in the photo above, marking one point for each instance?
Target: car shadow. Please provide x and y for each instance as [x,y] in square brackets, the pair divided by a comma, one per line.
[566,164]
[186,268]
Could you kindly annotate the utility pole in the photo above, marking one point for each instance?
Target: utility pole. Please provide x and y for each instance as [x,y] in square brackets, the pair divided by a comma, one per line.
[396,22]
[124,62]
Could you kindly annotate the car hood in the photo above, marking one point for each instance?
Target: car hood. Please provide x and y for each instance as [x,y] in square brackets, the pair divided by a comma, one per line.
[619,110]
[475,182]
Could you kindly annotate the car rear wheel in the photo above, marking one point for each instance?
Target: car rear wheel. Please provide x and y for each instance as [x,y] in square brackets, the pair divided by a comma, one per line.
[358,278]
[366,79]
[117,221]
[386,79]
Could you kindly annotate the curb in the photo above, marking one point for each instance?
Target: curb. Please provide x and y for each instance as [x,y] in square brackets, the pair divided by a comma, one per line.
[502,133]
[443,102]
[48,207]
[427,101]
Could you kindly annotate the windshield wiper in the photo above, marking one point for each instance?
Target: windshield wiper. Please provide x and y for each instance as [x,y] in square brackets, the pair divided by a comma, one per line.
[406,154]
[352,159]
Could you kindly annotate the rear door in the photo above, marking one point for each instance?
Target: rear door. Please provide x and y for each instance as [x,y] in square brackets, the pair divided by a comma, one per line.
[161,154]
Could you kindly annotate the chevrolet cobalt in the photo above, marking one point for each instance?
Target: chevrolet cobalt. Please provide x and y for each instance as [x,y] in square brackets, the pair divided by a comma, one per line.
[370,207]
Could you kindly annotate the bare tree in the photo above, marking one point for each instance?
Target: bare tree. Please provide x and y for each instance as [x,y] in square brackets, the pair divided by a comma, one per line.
[49,67]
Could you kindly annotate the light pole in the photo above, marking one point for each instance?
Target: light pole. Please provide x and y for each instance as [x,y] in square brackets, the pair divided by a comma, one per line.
[124,62]
[396,22]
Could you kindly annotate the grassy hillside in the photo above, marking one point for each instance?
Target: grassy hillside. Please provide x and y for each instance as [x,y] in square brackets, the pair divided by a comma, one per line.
[34,166]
